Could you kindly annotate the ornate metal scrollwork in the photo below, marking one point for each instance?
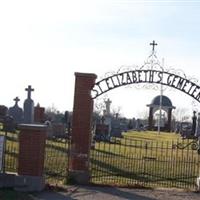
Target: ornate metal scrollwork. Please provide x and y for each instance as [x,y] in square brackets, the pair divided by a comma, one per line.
[193,144]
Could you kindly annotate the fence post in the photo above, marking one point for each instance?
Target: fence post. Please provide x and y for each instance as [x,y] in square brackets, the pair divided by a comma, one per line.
[81,129]
[31,157]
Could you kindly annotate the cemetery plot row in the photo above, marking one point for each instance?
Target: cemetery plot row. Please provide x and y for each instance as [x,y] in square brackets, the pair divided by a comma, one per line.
[144,164]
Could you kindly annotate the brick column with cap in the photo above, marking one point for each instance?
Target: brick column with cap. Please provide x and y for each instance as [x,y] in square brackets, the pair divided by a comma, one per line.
[81,128]
[31,156]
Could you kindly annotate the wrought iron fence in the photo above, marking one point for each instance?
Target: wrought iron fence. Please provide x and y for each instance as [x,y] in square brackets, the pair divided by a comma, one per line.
[128,162]
[56,160]
[56,157]
[10,152]
[122,162]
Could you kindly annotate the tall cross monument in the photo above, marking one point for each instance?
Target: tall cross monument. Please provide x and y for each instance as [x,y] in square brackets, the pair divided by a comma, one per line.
[29,90]
[29,107]
[107,103]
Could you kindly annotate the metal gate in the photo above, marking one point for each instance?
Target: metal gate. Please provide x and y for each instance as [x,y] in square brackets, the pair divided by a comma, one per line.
[57,160]
[132,163]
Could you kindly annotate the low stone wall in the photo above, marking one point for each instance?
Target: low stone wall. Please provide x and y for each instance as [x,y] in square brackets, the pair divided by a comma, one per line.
[22,183]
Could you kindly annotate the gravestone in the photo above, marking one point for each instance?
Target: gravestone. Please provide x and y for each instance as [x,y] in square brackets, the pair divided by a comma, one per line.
[137,126]
[66,117]
[3,112]
[49,129]
[29,107]
[194,123]
[39,114]
[59,130]
[67,122]
[197,133]
[107,103]
[186,130]
[107,116]
[108,123]
[116,130]
[134,123]
[8,124]
[124,124]
[16,112]
[2,151]
[178,127]
[130,124]
[101,131]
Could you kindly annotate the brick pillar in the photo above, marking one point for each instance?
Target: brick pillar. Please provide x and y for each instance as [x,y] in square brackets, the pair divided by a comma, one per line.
[150,118]
[81,128]
[31,156]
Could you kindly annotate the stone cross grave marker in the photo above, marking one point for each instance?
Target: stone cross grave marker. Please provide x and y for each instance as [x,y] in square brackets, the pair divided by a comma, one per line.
[108,102]
[29,107]
[16,112]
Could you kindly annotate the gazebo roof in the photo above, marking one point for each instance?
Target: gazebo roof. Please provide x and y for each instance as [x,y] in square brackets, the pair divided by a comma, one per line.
[166,102]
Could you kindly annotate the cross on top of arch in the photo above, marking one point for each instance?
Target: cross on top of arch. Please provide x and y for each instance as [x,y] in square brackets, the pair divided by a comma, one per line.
[153,44]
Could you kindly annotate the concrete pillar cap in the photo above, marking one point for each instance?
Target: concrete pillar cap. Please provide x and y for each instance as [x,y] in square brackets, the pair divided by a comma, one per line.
[32,126]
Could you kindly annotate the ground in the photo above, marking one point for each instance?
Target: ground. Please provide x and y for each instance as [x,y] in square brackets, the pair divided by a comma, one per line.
[107,193]
[9,194]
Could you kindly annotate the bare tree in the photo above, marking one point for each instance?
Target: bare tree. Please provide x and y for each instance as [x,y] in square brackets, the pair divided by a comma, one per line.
[116,110]
[182,114]
[143,114]
[99,106]
[52,113]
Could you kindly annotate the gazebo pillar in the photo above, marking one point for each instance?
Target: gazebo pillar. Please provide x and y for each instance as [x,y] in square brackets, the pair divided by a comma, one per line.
[169,113]
[150,118]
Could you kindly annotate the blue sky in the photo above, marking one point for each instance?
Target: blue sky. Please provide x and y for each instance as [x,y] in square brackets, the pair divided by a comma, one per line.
[43,43]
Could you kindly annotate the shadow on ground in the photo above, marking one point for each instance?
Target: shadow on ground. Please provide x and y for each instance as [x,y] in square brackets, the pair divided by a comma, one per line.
[90,193]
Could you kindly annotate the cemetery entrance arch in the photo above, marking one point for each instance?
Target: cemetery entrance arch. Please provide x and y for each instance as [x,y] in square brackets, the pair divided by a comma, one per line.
[86,90]
[147,76]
